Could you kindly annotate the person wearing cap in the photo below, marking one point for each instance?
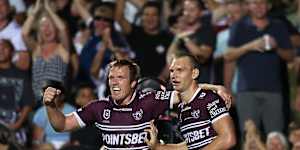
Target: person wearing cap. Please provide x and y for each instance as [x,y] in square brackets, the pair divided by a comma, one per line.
[104,44]
[260,45]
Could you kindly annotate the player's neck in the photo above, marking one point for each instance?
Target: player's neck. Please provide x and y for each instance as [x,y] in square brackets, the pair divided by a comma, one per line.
[127,100]
[187,95]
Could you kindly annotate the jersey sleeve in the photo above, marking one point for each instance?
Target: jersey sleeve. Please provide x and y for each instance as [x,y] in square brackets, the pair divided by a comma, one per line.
[86,115]
[216,107]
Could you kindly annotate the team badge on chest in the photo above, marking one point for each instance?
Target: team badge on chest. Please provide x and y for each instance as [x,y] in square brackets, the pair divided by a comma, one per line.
[195,113]
[138,115]
[106,114]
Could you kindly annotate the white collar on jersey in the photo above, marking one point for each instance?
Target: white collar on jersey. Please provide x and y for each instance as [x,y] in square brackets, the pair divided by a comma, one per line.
[131,100]
[194,95]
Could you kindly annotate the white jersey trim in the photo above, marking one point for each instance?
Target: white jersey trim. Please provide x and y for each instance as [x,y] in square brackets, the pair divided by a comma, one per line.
[219,117]
[131,100]
[79,120]
[194,125]
[195,94]
[172,99]
[133,148]
[201,143]
[123,128]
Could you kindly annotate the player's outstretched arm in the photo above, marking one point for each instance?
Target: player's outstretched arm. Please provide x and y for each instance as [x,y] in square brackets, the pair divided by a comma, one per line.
[58,120]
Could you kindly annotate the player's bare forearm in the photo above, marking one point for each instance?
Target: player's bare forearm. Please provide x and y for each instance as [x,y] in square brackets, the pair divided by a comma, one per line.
[56,118]
[226,138]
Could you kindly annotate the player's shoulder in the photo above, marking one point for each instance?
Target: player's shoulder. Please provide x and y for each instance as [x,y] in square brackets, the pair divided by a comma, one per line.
[207,94]
[211,98]
[101,101]
[141,95]
[154,95]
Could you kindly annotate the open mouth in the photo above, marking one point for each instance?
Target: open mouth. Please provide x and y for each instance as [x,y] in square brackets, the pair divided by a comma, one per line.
[175,82]
[116,89]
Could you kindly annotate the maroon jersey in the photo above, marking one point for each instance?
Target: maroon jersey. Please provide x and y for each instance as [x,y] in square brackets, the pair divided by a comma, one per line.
[122,127]
[197,118]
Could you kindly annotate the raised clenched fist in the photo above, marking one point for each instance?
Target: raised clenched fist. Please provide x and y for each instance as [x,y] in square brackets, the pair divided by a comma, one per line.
[49,95]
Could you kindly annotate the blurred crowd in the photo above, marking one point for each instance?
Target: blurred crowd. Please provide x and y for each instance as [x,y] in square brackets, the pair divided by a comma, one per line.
[252,47]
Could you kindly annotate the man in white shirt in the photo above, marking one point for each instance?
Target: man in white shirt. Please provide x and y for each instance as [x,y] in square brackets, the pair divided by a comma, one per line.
[10,30]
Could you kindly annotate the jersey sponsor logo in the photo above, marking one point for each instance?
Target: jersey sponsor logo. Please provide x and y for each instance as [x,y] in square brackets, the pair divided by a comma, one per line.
[196,135]
[144,94]
[196,113]
[213,104]
[106,114]
[214,110]
[138,115]
[124,139]
[163,95]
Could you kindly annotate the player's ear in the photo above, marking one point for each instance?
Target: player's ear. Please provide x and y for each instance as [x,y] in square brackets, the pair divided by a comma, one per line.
[195,73]
[133,84]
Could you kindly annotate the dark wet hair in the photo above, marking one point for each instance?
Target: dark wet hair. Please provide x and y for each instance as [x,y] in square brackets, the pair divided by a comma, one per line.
[193,60]
[134,69]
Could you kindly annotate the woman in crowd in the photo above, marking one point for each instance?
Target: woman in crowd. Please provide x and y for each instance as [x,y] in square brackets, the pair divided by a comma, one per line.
[50,50]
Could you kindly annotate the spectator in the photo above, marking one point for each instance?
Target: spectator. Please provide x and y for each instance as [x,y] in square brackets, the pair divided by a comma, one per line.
[294,135]
[50,52]
[276,141]
[85,138]
[195,36]
[8,140]
[43,134]
[63,9]
[234,10]
[252,137]
[294,15]
[148,41]
[102,46]
[259,85]
[9,29]
[16,93]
